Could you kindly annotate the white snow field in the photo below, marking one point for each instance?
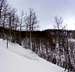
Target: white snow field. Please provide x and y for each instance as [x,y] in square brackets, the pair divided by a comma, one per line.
[18,59]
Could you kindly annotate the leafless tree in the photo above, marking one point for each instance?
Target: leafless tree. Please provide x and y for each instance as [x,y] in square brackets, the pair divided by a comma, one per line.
[59,26]
[1,5]
[59,23]
[31,23]
[3,12]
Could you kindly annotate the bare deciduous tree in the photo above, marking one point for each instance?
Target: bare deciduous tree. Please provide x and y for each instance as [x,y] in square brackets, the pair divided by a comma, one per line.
[31,23]
[59,26]
[58,21]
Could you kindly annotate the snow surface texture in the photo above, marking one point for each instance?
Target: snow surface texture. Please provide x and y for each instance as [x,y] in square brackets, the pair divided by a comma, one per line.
[18,59]
[71,40]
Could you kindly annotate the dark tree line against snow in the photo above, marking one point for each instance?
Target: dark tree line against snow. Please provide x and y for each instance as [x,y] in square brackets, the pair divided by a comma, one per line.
[51,49]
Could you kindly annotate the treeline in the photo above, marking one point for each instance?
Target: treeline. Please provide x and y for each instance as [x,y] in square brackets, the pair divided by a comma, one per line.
[51,48]
[9,19]
[8,16]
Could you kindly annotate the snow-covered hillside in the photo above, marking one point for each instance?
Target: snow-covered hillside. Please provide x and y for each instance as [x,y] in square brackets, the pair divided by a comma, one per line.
[18,59]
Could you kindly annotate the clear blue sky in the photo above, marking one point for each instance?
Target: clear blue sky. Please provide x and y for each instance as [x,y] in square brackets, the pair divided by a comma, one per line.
[47,10]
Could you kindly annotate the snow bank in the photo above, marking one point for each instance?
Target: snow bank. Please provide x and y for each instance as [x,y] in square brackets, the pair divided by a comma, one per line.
[18,59]
[71,40]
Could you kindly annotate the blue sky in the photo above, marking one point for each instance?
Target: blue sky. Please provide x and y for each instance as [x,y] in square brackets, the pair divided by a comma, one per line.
[46,10]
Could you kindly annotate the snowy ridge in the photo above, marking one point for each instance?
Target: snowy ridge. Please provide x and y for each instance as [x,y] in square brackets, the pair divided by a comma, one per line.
[18,59]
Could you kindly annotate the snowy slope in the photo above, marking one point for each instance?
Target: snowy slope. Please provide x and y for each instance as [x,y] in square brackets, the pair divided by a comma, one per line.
[18,59]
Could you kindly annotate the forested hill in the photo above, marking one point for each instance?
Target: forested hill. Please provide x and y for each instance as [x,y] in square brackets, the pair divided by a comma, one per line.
[56,46]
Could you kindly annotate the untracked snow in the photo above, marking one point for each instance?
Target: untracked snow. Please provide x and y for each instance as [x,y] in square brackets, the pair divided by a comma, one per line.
[18,59]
